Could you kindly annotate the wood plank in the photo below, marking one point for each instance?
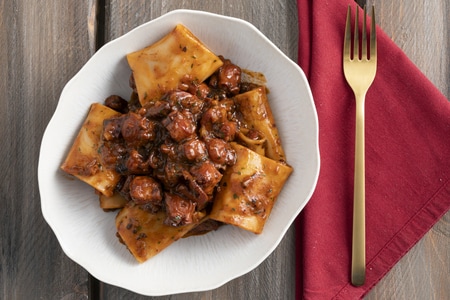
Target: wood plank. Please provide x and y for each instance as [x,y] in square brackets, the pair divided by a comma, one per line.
[421,29]
[43,44]
[273,279]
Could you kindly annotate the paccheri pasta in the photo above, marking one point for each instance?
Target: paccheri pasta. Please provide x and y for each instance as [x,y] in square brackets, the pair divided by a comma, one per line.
[195,147]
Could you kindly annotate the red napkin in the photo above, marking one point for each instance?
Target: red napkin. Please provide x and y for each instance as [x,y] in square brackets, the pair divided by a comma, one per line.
[407,158]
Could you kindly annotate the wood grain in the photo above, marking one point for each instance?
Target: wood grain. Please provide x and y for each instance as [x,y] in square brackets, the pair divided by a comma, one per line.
[44,43]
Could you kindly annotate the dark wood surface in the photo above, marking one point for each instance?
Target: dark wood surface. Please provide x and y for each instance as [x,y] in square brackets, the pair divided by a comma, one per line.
[44,43]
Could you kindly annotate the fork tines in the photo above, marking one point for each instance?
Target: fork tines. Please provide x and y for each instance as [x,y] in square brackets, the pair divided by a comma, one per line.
[356,45]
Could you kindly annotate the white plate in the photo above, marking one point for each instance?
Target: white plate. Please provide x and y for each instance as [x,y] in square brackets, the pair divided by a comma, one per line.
[87,234]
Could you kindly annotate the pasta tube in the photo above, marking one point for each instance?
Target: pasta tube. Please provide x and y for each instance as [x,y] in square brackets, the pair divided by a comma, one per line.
[249,189]
[83,160]
[256,114]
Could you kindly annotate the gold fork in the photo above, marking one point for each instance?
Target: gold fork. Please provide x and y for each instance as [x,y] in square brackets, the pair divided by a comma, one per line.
[359,70]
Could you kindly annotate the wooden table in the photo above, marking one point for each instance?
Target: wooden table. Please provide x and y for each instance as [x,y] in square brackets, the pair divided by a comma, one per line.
[44,43]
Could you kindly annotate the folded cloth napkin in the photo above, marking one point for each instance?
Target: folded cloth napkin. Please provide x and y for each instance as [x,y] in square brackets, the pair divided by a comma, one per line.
[407,158]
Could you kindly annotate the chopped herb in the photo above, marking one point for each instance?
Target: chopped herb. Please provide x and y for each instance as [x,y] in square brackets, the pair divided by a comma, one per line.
[141,236]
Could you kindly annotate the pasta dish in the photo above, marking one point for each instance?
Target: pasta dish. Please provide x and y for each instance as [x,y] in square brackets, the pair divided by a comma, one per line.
[194,147]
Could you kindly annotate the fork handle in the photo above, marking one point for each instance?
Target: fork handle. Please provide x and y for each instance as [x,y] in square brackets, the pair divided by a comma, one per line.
[358,273]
